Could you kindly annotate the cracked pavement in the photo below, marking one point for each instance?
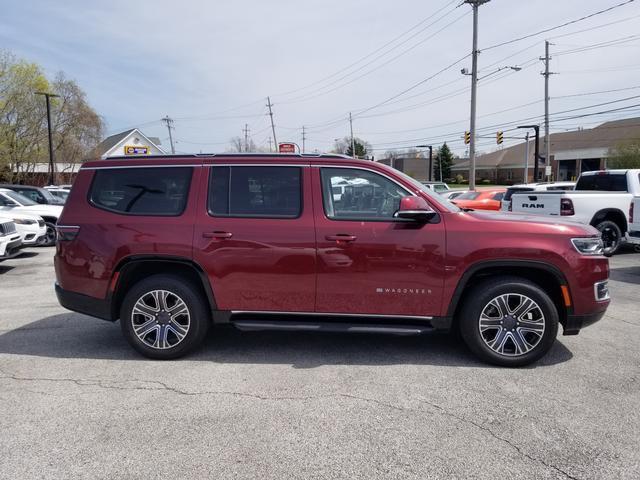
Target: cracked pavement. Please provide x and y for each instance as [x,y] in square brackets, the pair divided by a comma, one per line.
[77,402]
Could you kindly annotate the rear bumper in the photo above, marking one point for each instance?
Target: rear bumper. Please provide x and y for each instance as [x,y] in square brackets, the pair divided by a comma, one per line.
[633,238]
[574,323]
[95,307]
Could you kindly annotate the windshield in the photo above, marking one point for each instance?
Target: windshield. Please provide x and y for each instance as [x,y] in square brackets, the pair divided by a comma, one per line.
[437,198]
[21,199]
[468,196]
[511,191]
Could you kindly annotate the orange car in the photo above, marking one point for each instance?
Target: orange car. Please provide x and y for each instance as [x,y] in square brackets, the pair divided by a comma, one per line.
[481,199]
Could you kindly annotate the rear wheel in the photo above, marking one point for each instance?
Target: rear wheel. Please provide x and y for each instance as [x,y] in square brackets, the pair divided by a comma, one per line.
[164,317]
[509,321]
[611,236]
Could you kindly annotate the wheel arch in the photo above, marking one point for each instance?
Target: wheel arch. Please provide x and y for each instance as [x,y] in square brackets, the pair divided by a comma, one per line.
[132,269]
[547,276]
[613,214]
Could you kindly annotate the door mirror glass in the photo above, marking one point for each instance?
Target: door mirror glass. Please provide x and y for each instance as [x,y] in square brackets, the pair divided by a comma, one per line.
[415,208]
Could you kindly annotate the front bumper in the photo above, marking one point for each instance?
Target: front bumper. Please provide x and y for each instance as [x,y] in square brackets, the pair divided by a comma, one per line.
[11,249]
[77,302]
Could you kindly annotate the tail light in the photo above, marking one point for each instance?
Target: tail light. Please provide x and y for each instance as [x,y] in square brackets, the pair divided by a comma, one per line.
[66,233]
[631,213]
[566,207]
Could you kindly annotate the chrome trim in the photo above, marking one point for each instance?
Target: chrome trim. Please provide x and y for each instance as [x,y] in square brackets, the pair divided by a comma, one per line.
[595,291]
[111,167]
[321,314]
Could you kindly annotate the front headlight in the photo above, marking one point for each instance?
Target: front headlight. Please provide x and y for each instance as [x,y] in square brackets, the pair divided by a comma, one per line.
[588,246]
[24,221]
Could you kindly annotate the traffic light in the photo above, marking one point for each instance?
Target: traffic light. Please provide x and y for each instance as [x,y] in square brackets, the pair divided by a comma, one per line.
[499,137]
[467,138]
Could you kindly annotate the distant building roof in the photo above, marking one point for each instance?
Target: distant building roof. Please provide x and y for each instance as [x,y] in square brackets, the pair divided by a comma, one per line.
[585,143]
[112,142]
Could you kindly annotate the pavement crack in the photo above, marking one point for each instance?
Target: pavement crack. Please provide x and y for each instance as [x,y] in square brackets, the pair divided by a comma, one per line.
[498,437]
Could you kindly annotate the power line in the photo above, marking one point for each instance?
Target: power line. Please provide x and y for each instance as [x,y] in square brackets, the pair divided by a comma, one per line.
[540,32]
[169,122]
[361,59]
[311,95]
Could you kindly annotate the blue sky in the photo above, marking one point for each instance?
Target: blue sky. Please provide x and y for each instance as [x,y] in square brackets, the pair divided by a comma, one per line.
[210,65]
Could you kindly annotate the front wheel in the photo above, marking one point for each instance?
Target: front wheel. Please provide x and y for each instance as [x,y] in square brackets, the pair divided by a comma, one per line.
[611,236]
[508,321]
[49,238]
[164,317]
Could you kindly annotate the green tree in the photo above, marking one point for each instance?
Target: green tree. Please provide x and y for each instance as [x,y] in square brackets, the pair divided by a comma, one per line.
[343,146]
[625,155]
[444,159]
[77,128]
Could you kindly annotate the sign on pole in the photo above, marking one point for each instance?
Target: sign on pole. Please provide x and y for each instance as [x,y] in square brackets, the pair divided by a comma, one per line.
[287,147]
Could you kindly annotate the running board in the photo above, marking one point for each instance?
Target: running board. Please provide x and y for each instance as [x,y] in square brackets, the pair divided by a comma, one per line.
[342,327]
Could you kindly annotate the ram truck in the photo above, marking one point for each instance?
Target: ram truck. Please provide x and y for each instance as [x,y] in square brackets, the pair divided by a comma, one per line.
[601,199]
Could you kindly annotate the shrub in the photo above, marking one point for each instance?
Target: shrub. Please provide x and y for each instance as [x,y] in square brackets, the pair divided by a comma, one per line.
[460,179]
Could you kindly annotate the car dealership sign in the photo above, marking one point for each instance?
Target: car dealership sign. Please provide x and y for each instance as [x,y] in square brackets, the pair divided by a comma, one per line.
[287,147]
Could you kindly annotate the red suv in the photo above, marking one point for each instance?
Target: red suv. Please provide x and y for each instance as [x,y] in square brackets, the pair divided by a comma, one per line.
[171,245]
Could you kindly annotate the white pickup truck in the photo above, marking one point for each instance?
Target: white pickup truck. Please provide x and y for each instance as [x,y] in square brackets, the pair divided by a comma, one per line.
[634,222]
[602,199]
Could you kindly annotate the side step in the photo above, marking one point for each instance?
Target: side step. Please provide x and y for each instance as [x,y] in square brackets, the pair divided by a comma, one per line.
[343,327]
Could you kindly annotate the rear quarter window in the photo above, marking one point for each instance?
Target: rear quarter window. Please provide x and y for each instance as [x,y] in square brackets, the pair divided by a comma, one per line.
[141,191]
[611,182]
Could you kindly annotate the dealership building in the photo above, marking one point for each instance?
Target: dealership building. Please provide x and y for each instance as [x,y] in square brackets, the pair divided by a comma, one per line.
[572,153]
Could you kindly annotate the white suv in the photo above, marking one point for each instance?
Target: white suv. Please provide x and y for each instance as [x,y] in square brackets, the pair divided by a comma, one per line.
[31,228]
[10,241]
[12,202]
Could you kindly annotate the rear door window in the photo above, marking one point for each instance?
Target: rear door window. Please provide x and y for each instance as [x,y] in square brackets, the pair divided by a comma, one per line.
[154,191]
[255,191]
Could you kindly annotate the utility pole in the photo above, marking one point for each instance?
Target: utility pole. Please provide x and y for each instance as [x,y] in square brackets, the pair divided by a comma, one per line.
[547,144]
[246,137]
[47,96]
[526,159]
[269,143]
[474,83]
[273,128]
[170,126]
[353,144]
[304,138]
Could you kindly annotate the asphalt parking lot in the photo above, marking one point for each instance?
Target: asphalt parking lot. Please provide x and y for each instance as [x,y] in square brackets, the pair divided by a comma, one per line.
[77,402]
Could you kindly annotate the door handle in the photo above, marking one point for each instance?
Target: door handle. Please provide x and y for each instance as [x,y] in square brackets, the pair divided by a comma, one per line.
[341,237]
[220,235]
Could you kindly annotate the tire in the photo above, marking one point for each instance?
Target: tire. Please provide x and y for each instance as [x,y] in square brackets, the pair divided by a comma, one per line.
[49,238]
[526,333]
[164,317]
[611,236]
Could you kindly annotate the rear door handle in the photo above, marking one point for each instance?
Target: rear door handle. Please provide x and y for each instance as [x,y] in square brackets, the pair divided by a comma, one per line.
[220,235]
[341,237]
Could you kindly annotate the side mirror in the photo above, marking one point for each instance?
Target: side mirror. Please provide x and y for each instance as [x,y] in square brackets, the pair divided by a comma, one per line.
[416,209]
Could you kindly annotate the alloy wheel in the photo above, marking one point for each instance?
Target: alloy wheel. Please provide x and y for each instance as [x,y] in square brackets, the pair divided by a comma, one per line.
[160,319]
[511,324]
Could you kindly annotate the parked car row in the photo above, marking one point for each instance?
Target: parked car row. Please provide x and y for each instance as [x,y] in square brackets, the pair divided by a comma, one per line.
[28,216]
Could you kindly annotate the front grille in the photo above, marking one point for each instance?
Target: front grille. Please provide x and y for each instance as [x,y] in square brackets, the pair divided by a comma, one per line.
[7,228]
[41,222]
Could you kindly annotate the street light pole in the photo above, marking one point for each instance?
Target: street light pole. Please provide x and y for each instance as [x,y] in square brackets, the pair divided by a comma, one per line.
[536,149]
[47,96]
[474,83]
[430,147]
